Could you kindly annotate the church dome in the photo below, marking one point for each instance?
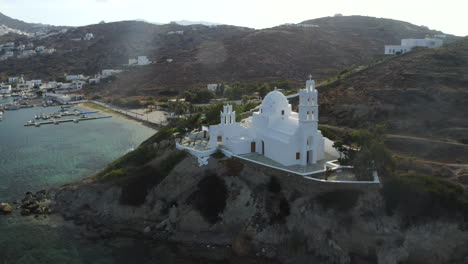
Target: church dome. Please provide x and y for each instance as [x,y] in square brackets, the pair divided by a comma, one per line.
[274,102]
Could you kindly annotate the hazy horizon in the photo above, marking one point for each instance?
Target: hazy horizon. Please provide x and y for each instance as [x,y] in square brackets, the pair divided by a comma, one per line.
[258,14]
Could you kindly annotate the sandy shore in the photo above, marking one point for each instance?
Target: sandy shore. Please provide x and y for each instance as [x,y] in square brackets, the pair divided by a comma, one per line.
[114,114]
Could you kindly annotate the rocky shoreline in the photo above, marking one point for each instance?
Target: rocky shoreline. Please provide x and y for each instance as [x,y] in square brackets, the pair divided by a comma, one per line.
[35,204]
[236,211]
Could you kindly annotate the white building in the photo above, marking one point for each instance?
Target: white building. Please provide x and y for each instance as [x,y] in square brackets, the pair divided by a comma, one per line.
[27,54]
[57,97]
[94,80]
[109,72]
[9,54]
[75,77]
[409,44]
[35,82]
[178,32]
[212,87]
[24,86]
[40,48]
[143,60]
[5,89]
[275,131]
[47,51]
[15,80]
[88,36]
[132,61]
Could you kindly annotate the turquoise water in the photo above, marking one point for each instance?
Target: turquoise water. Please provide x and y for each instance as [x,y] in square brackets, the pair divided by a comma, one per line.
[50,155]
[32,158]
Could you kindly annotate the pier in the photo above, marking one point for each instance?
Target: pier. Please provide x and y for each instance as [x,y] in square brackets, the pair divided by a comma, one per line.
[76,120]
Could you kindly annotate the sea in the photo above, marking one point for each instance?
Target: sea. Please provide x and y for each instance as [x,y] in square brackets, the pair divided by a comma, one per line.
[34,158]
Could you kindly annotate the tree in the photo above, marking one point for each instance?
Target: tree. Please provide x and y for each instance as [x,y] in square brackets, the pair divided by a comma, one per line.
[369,152]
[61,78]
[39,93]
[199,96]
[264,89]
[233,93]
[219,90]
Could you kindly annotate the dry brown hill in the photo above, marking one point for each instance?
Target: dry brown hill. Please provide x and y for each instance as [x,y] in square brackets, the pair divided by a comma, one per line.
[23,26]
[215,54]
[424,92]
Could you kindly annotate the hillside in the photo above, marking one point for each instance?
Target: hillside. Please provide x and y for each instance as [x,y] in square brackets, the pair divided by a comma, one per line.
[250,211]
[216,54]
[271,54]
[423,92]
[23,26]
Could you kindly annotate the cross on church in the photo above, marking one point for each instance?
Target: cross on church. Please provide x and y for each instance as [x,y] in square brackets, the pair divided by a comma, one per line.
[310,76]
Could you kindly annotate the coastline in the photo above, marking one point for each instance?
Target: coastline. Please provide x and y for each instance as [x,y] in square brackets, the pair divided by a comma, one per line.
[107,111]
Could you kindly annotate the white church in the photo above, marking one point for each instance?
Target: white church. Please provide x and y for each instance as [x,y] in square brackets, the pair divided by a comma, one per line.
[275,131]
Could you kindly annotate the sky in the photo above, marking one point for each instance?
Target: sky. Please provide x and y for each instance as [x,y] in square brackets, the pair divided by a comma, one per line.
[449,16]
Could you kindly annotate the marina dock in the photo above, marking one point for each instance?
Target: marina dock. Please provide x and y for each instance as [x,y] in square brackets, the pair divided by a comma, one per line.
[75,120]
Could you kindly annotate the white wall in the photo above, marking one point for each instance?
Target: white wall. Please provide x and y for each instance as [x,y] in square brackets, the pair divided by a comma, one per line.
[393,49]
[329,149]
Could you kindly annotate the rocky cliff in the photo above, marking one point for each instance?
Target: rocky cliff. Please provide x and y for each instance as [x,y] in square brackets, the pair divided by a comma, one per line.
[252,211]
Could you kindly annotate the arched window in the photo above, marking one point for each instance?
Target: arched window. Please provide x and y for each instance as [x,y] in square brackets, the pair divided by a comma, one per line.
[282,112]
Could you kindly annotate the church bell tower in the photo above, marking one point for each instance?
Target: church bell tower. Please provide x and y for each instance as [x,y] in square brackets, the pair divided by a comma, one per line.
[308,106]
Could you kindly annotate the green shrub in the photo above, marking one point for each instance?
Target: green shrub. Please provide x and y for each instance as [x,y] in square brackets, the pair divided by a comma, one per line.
[339,200]
[114,174]
[463,140]
[418,197]
[199,96]
[327,133]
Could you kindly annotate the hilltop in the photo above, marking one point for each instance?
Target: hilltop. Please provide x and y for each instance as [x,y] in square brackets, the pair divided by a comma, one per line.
[20,25]
[210,54]
[278,53]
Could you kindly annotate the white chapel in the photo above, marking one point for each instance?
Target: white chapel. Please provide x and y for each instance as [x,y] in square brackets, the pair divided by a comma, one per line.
[275,131]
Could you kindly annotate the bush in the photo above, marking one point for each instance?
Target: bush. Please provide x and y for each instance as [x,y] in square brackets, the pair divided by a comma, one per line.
[339,200]
[114,174]
[327,133]
[199,96]
[419,197]
[463,140]
[210,197]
